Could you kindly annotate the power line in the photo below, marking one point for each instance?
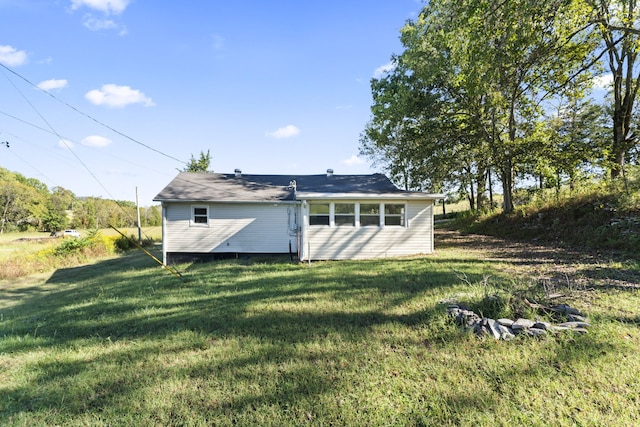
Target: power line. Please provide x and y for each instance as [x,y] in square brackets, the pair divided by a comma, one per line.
[68,146]
[91,117]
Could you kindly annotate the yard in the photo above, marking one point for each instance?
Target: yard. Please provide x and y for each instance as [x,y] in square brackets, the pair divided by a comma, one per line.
[268,342]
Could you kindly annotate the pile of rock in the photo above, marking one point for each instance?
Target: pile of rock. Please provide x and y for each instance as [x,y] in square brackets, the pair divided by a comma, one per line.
[507,329]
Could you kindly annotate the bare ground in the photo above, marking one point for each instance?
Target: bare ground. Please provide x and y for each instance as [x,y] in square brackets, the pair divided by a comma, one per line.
[555,266]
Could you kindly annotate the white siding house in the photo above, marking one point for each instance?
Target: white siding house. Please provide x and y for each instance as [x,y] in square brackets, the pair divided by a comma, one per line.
[315,217]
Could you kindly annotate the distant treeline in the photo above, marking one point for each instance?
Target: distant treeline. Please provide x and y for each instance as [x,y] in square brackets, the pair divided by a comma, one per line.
[28,204]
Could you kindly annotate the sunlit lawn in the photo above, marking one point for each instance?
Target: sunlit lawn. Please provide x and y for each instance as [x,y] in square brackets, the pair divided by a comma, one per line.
[268,342]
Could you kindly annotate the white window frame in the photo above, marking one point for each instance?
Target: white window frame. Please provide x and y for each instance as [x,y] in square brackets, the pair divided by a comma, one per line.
[330,215]
[382,215]
[360,214]
[193,222]
[344,215]
[403,216]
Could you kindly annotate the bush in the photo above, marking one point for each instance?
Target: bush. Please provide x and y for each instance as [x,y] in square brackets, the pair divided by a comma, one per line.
[124,244]
[71,246]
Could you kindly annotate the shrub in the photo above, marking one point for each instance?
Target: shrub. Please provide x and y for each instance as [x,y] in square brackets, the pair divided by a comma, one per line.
[71,246]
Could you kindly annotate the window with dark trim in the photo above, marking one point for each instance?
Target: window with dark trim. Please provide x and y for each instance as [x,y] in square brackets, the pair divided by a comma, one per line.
[319,214]
[369,214]
[394,214]
[345,214]
[200,215]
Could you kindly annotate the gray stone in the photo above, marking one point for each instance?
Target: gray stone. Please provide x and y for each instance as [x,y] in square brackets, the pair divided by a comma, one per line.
[494,327]
[542,325]
[576,318]
[536,332]
[479,330]
[574,325]
[522,324]
[506,333]
[566,309]
[580,331]
[505,322]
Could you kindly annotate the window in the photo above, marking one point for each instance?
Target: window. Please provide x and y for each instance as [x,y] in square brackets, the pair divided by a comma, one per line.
[345,214]
[319,214]
[394,214]
[200,215]
[369,214]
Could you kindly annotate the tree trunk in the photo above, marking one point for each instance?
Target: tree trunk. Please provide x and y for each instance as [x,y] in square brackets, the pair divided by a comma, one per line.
[490,188]
[481,200]
[507,187]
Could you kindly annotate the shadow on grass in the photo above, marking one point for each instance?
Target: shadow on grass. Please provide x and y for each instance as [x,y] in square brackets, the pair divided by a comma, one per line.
[107,325]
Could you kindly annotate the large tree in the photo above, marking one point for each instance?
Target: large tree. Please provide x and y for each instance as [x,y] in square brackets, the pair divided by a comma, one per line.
[493,64]
[618,23]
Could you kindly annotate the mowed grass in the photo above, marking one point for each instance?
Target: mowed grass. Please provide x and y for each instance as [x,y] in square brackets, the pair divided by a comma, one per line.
[268,342]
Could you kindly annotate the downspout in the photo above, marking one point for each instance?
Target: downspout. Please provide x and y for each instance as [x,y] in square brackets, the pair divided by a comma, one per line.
[303,231]
[164,231]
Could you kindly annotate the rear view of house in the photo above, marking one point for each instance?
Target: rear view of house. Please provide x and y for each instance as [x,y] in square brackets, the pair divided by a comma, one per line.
[316,217]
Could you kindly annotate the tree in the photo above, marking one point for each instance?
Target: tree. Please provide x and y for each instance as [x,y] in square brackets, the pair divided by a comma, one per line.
[491,66]
[200,165]
[577,135]
[618,23]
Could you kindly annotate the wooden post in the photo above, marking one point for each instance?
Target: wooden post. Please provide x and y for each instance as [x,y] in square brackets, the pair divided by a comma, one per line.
[138,210]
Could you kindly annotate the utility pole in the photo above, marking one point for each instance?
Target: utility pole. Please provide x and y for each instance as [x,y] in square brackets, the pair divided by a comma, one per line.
[138,211]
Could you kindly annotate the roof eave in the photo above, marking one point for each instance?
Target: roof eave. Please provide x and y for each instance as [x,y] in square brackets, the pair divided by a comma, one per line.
[392,196]
[225,201]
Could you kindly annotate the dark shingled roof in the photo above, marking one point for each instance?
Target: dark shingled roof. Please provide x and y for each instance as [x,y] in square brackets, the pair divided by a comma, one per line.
[199,186]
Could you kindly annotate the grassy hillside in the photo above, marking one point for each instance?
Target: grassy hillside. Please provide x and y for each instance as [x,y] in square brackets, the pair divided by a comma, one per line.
[593,217]
[267,342]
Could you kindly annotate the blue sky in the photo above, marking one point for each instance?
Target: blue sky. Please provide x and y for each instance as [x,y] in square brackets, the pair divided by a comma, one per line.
[267,86]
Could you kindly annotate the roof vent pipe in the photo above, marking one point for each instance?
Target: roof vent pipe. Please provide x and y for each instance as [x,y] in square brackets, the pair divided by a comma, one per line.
[329,172]
[238,173]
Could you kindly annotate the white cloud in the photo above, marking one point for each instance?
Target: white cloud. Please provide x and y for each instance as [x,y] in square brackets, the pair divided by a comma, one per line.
[12,57]
[97,24]
[53,84]
[603,82]
[384,69]
[284,132]
[117,96]
[95,141]
[353,160]
[108,7]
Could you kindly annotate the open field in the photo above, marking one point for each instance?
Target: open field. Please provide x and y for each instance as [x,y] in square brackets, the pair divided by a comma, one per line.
[267,342]
[22,253]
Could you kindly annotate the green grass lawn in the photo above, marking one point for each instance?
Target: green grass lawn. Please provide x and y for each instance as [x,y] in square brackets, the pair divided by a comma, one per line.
[267,342]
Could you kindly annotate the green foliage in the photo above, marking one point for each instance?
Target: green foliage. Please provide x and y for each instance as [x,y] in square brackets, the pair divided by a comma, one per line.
[124,244]
[54,221]
[595,216]
[471,94]
[199,165]
[71,246]
[26,204]
[335,343]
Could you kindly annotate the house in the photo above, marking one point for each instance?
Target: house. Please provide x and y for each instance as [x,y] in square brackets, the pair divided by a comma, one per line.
[316,217]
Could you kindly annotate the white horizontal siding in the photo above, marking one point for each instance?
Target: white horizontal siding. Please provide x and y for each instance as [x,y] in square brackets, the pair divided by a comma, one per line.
[236,228]
[323,242]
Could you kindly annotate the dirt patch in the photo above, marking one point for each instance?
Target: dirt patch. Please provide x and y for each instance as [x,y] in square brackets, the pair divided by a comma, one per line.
[32,239]
[558,266]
